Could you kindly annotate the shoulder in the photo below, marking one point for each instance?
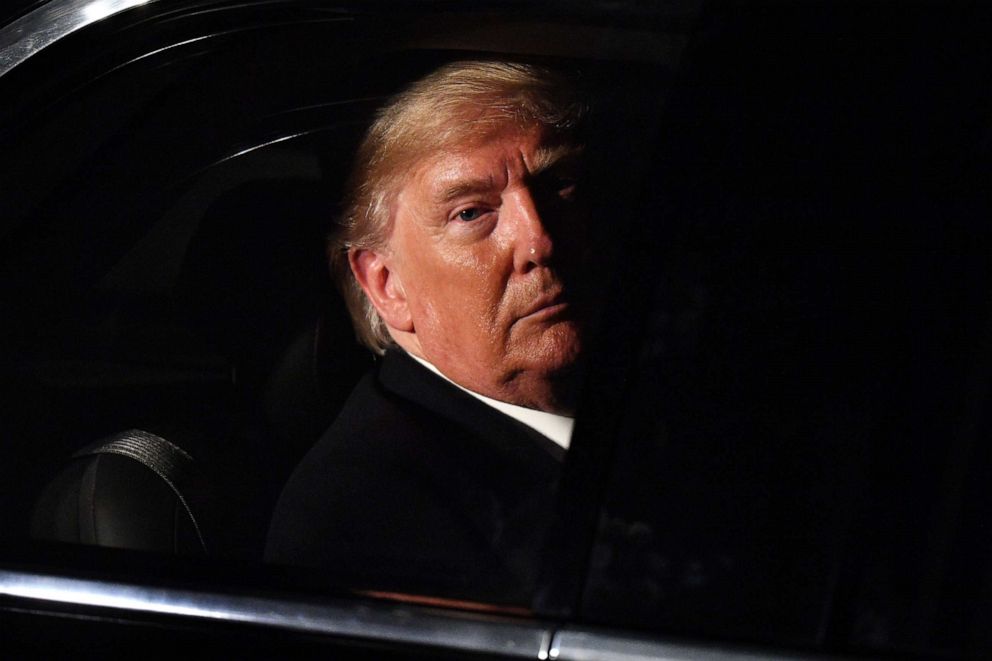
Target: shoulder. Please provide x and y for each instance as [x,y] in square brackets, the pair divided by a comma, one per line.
[419,473]
[375,479]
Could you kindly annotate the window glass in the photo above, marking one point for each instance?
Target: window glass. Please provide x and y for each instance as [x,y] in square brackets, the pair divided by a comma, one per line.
[164,253]
[164,249]
[165,230]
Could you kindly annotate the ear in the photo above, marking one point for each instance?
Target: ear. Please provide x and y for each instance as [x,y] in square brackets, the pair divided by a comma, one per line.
[383,287]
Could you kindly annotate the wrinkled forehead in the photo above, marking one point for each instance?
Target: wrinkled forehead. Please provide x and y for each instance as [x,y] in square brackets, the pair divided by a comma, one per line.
[539,146]
[490,166]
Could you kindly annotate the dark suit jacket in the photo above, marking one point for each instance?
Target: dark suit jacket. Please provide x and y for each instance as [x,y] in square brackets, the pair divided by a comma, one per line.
[419,487]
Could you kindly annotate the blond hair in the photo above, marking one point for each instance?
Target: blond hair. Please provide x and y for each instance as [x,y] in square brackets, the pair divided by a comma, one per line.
[457,103]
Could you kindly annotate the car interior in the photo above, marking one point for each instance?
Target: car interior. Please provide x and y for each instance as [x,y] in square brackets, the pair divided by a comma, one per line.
[195,348]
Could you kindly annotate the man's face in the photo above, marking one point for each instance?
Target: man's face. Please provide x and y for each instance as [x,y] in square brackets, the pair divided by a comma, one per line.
[486,245]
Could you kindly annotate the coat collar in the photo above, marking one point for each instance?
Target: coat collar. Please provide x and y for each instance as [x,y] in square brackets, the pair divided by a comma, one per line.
[404,376]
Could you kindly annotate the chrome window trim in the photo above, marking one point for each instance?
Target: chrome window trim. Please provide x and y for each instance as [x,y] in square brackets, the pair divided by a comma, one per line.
[379,622]
[363,620]
[51,22]
[580,644]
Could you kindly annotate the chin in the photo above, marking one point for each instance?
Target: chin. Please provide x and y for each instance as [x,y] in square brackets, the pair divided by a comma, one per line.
[558,352]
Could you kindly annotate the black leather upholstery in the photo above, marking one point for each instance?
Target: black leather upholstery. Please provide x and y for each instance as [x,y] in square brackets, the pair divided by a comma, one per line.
[134,490]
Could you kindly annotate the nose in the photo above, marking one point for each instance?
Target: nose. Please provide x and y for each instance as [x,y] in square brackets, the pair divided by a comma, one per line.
[532,244]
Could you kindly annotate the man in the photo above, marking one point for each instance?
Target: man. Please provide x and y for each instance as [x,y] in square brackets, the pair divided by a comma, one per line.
[459,254]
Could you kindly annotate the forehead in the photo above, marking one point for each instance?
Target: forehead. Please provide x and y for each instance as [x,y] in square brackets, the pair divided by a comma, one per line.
[490,159]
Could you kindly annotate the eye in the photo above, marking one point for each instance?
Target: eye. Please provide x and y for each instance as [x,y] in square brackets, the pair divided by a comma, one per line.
[470,214]
[565,186]
[558,185]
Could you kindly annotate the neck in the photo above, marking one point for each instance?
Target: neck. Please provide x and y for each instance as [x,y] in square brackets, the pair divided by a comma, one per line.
[554,426]
[555,394]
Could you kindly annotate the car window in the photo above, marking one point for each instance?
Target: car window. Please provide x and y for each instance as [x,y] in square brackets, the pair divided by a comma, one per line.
[167,201]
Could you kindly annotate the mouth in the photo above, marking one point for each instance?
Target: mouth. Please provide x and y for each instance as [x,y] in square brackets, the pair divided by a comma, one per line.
[547,306]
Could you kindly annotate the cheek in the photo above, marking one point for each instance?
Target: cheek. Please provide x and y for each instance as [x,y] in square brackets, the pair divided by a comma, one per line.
[475,263]
[466,312]
[457,291]
[473,277]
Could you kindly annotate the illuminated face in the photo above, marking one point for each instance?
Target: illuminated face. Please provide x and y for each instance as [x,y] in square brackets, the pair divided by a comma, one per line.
[479,273]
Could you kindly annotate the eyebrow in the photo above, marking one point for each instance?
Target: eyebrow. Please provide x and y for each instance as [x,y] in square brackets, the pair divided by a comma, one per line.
[466,187]
[548,157]
[544,159]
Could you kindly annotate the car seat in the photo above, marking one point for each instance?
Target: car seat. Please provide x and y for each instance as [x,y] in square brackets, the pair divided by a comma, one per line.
[255,285]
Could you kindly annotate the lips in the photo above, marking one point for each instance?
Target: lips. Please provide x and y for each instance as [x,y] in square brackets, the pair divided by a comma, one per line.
[547,304]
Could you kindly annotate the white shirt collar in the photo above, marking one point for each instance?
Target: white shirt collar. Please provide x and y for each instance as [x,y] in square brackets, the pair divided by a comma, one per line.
[556,427]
